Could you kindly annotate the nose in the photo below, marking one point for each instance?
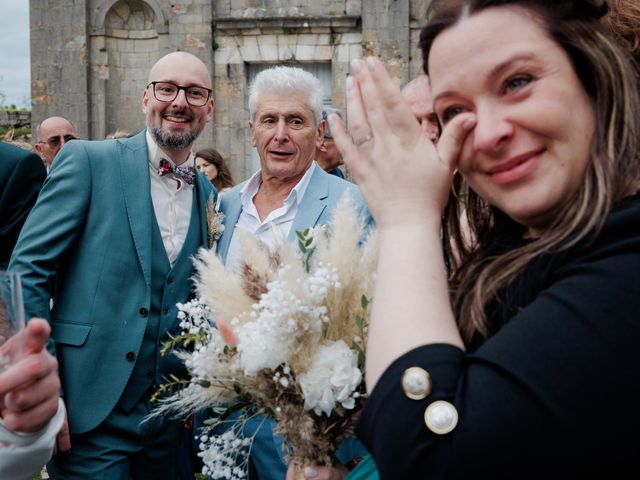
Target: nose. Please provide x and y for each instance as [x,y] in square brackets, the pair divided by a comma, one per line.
[492,131]
[282,132]
[181,99]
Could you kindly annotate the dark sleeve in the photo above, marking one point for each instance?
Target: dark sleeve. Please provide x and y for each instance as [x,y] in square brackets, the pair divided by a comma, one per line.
[19,194]
[554,393]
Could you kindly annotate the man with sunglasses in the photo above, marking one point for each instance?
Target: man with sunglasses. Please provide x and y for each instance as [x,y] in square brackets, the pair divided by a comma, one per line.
[51,135]
[115,229]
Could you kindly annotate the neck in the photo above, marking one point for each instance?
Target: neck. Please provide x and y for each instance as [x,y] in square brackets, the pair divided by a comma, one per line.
[272,193]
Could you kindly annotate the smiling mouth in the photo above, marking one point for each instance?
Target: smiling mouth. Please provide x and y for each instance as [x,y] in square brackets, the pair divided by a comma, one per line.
[516,168]
[176,117]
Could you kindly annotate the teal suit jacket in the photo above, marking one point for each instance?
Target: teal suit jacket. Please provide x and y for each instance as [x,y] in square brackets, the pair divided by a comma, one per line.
[320,198]
[87,245]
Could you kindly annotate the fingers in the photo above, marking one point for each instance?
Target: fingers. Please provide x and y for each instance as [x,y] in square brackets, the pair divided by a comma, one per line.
[316,472]
[358,122]
[453,137]
[32,419]
[291,470]
[350,154]
[383,104]
[63,440]
[226,332]
[37,334]
[28,371]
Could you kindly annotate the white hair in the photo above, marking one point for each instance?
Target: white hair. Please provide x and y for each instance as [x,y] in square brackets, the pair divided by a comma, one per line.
[284,79]
[326,111]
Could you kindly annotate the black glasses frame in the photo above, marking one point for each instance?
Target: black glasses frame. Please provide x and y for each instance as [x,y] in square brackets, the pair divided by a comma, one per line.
[178,88]
[53,142]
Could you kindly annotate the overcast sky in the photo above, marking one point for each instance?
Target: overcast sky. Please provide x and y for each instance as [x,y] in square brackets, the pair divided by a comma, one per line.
[15,73]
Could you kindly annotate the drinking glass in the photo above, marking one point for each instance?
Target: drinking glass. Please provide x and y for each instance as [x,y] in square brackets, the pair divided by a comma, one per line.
[11,313]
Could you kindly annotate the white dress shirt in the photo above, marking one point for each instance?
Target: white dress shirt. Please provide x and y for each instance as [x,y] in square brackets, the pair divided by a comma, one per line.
[172,200]
[281,219]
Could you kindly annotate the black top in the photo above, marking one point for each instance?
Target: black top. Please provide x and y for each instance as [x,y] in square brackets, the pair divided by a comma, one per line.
[554,393]
[21,176]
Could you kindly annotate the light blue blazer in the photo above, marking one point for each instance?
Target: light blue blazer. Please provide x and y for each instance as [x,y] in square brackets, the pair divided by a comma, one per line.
[87,245]
[320,198]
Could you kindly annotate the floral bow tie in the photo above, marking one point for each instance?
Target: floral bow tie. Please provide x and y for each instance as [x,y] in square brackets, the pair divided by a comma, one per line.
[186,174]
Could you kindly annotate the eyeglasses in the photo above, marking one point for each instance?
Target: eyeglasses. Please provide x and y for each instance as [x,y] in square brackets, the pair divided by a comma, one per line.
[167,92]
[55,142]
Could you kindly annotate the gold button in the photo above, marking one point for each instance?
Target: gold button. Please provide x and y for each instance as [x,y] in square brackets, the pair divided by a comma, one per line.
[416,383]
[441,417]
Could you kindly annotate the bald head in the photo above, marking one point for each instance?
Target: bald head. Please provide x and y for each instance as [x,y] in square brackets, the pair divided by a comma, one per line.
[417,94]
[51,135]
[178,103]
[184,62]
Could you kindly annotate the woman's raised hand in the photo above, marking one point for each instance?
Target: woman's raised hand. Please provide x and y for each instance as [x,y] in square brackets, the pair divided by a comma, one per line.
[402,175]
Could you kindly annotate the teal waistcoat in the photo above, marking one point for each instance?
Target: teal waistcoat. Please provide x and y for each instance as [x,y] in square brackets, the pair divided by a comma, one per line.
[152,369]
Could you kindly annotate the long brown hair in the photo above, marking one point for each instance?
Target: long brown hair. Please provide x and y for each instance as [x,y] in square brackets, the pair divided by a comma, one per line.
[224,179]
[613,172]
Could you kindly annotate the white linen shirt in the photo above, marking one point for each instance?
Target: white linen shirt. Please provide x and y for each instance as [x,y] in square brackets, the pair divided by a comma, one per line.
[281,219]
[172,201]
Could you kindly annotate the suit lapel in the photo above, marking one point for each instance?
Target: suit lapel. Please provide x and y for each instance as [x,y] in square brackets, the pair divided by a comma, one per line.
[231,206]
[136,186]
[203,191]
[314,201]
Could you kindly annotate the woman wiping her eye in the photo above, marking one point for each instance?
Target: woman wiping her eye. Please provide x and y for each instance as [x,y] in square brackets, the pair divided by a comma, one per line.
[511,351]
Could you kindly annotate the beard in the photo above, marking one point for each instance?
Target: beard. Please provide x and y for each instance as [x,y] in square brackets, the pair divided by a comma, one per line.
[173,141]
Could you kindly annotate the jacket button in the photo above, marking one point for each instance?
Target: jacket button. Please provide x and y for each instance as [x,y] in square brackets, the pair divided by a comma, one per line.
[130,356]
[416,383]
[143,311]
[169,279]
[441,417]
[165,311]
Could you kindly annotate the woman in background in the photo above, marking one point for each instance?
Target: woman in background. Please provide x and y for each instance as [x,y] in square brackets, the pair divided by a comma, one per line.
[210,162]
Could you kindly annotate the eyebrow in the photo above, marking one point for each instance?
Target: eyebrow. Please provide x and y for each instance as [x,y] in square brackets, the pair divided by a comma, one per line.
[495,72]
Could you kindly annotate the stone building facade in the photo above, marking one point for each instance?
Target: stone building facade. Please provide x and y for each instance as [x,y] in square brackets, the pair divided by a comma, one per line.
[90,58]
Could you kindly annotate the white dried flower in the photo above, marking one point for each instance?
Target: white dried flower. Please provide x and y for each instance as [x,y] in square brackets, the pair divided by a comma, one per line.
[333,377]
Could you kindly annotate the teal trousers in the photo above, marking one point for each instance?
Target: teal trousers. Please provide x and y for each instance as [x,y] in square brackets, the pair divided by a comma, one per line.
[123,447]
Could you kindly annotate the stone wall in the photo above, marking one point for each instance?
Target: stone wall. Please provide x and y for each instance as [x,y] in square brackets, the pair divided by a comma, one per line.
[14,119]
[90,58]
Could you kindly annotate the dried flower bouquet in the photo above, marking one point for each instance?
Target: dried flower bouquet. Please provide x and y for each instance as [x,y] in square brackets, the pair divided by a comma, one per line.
[285,337]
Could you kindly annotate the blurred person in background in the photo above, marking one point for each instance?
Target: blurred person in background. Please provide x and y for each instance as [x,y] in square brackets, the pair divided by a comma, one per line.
[210,162]
[51,135]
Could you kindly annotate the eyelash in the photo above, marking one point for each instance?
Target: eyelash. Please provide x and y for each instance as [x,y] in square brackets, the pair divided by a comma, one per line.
[450,112]
[517,78]
[508,86]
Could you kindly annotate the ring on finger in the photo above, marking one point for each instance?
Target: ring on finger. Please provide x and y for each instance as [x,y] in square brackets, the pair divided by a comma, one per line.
[364,140]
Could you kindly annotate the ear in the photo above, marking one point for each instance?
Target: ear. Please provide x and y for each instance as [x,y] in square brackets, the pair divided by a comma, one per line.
[322,146]
[254,141]
[38,147]
[210,108]
[145,100]
[320,133]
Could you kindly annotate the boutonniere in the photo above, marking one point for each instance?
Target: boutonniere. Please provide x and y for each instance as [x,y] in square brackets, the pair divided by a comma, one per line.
[215,222]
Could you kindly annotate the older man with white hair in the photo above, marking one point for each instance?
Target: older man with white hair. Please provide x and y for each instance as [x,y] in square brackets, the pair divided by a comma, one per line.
[289,193]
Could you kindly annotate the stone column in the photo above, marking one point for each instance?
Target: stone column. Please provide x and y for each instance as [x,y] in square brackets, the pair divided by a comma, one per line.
[59,85]
[385,34]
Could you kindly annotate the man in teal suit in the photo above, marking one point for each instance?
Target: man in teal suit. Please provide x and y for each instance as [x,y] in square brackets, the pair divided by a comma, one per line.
[290,192]
[110,240]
